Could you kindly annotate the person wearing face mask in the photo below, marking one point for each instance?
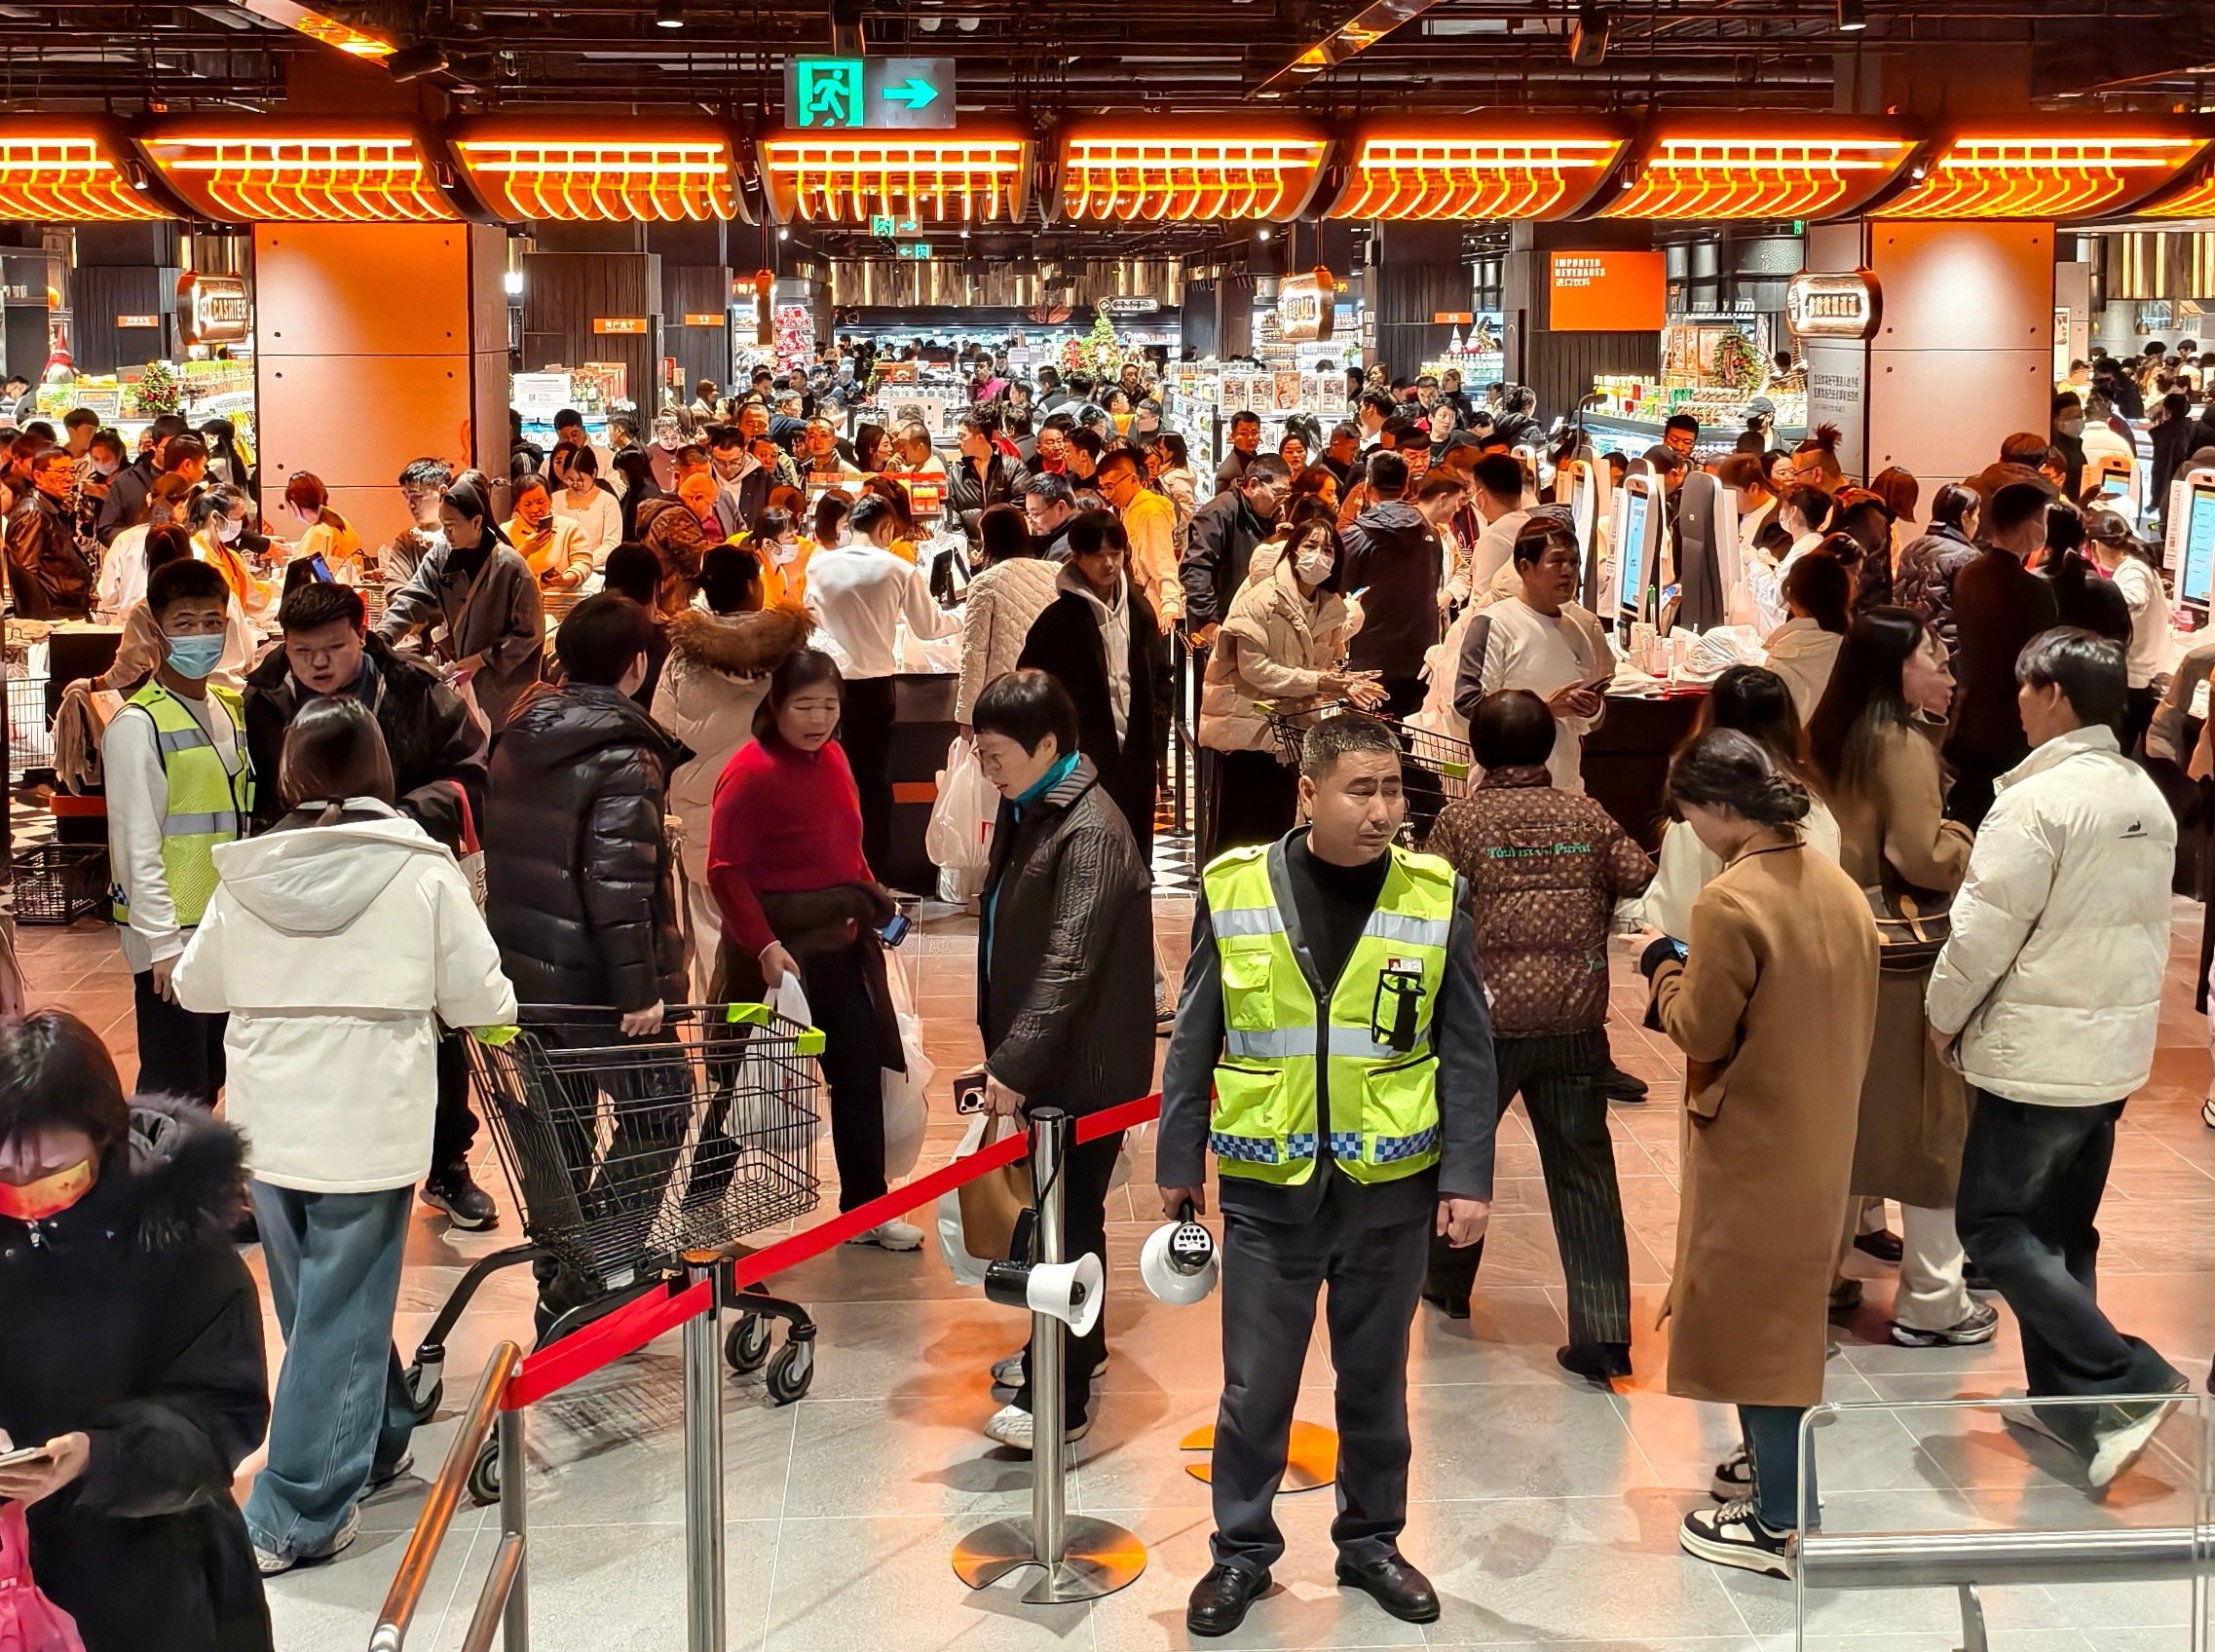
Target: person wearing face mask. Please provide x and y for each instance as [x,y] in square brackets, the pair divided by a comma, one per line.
[124,569]
[48,575]
[476,605]
[553,546]
[128,487]
[178,784]
[134,1355]
[219,519]
[2068,432]
[1283,642]
[143,645]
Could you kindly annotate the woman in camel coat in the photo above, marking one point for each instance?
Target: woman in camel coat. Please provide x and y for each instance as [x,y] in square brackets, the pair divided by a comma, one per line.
[1874,745]
[1772,1004]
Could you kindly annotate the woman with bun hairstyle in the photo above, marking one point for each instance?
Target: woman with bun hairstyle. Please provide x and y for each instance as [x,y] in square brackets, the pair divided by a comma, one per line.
[1772,999]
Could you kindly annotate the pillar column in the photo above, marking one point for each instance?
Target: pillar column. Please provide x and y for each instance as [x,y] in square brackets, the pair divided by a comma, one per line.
[376,344]
[695,298]
[584,278]
[1560,366]
[1416,272]
[1963,351]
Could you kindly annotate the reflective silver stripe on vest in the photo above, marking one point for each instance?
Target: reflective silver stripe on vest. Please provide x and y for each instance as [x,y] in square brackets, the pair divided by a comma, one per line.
[1402,927]
[168,740]
[1283,1043]
[1246,921]
[199,825]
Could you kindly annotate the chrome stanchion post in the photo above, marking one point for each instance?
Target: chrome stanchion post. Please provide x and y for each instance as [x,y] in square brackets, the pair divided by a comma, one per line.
[516,1622]
[703,1469]
[1081,1558]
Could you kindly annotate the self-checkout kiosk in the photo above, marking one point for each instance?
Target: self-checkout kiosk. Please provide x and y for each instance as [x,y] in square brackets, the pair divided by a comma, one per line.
[1707,552]
[2188,548]
[1639,538]
[2111,483]
[1586,488]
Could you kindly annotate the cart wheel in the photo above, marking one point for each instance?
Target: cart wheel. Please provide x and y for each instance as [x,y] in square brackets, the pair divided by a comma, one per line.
[791,1373]
[747,1347]
[426,1395]
[484,1475]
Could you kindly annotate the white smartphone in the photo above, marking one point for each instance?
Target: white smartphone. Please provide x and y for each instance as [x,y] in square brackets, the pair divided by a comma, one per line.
[25,1458]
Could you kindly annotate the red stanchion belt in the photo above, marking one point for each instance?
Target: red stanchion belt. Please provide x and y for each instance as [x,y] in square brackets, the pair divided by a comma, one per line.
[627,1330]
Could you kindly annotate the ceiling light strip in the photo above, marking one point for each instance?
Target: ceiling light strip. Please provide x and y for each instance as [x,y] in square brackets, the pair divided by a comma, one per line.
[2041,177]
[603,182]
[336,179]
[67,179]
[812,178]
[1448,178]
[1155,180]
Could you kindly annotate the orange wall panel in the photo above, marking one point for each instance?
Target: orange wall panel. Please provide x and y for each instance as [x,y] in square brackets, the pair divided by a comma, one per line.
[1606,290]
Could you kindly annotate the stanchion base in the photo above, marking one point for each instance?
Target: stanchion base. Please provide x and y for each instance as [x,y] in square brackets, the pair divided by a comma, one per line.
[1311,1457]
[1099,1558]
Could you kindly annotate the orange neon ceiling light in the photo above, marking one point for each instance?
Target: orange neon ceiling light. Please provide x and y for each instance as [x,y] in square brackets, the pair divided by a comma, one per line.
[589,182]
[1132,179]
[2195,200]
[2042,178]
[1427,177]
[275,178]
[66,178]
[1758,177]
[842,178]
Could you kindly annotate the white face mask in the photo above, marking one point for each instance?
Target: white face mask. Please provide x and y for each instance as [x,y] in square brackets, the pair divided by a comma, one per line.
[1313,565]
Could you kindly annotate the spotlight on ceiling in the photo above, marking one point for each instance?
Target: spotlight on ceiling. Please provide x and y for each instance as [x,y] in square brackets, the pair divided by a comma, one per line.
[413,63]
[668,13]
[784,235]
[1852,16]
[1588,39]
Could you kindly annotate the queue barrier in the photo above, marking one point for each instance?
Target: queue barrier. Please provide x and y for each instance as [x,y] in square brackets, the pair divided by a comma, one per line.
[711,1281]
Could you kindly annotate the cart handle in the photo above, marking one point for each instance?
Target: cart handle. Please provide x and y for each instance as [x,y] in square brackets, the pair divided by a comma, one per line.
[808,1041]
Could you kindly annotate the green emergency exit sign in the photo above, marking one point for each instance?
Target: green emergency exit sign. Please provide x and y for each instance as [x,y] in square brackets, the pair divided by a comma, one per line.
[849,94]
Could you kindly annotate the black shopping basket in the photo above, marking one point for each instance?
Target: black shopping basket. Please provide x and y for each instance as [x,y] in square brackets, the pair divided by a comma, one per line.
[58,884]
[1434,768]
[623,1153]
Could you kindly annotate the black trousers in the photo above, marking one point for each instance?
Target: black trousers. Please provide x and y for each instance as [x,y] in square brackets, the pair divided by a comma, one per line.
[2138,717]
[1558,1081]
[853,1069]
[864,731]
[1271,1275]
[1255,801]
[1085,1175]
[1971,799]
[455,1130]
[2031,1182]
[180,1052]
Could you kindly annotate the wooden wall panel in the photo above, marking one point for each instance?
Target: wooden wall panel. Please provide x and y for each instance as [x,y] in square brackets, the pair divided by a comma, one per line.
[565,292]
[697,289]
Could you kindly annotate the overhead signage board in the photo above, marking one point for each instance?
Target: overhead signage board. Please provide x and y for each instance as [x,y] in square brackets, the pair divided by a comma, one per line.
[1606,291]
[860,94]
[1835,304]
[918,250]
[138,321]
[214,309]
[712,318]
[1306,304]
[628,326]
[1129,304]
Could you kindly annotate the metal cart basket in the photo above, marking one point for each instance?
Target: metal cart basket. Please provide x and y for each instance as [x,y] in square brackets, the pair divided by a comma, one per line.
[623,1153]
[1434,768]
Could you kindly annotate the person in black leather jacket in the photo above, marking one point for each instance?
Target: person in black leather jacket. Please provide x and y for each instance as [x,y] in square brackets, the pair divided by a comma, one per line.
[47,574]
[578,868]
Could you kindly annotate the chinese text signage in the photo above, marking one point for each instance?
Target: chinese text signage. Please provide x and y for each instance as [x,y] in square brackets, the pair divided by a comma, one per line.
[1608,291]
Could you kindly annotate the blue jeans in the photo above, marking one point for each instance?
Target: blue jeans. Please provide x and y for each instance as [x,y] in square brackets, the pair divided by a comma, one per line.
[1773,1444]
[340,1407]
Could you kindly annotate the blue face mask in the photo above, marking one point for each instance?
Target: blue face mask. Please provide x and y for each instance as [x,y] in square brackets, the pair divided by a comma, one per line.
[195,656]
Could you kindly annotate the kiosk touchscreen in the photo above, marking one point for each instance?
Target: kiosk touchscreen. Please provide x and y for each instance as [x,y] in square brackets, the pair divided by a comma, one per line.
[1639,509]
[2114,479]
[1587,488]
[2190,548]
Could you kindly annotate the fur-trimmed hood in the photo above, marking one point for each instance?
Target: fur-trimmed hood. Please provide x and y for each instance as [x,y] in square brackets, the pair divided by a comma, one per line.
[738,645]
[179,1179]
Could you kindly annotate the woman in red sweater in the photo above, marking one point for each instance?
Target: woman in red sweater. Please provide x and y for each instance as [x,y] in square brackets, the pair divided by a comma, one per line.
[785,866]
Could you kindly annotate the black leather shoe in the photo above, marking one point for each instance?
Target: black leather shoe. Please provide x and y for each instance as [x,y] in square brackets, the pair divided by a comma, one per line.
[1453,1302]
[1595,1361]
[1219,1599]
[1395,1585]
[1619,1087]
[1885,1244]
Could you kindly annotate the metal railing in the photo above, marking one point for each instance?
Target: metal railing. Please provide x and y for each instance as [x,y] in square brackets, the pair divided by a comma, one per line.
[504,1602]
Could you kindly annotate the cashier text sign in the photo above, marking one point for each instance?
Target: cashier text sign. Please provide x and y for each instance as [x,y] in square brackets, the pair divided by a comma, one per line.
[213,309]
[1306,304]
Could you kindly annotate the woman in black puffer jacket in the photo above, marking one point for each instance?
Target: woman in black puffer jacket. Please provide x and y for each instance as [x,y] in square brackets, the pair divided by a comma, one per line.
[1923,580]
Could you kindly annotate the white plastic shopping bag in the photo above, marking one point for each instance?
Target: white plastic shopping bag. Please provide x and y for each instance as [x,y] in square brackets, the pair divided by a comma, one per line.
[959,834]
[905,1110]
[768,1083]
[965,1268]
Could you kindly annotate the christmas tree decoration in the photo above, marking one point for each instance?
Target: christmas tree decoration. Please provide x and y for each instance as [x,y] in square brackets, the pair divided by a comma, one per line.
[1737,364]
[160,391]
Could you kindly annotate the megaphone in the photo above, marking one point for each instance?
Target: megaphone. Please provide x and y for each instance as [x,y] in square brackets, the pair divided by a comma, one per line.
[1071,1292]
[1179,1262]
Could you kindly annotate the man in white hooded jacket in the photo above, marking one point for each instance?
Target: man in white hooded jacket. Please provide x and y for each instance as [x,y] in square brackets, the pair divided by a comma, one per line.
[336,943]
[2047,997]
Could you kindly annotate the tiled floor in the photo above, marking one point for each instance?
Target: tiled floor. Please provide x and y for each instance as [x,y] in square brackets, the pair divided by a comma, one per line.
[1545,1511]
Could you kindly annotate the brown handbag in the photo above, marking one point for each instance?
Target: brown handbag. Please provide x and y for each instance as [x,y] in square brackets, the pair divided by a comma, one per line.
[992,1202]
[1912,928]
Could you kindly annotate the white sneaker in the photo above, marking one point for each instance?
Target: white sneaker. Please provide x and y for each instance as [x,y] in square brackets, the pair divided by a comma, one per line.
[891,1236]
[1014,1428]
[2121,1436]
[2025,1416]
[270,1564]
[1733,1478]
[1732,1536]
[1007,1372]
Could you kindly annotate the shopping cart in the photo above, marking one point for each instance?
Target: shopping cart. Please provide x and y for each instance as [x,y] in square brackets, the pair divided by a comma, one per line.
[625,1153]
[1434,769]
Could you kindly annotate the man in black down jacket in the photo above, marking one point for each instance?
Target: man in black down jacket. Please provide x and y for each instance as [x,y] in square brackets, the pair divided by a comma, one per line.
[1223,535]
[1999,604]
[437,748]
[1065,995]
[982,476]
[1393,558]
[132,1329]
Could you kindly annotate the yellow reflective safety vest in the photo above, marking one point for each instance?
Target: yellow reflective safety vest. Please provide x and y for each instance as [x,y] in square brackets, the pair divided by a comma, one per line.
[207,804]
[1375,1035]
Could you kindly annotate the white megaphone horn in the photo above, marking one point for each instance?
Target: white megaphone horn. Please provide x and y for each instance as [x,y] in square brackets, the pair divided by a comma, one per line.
[1178,1263]
[1069,1292]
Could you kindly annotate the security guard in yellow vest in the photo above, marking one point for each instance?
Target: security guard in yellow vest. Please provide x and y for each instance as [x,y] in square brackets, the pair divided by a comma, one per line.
[1333,1051]
[179,783]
